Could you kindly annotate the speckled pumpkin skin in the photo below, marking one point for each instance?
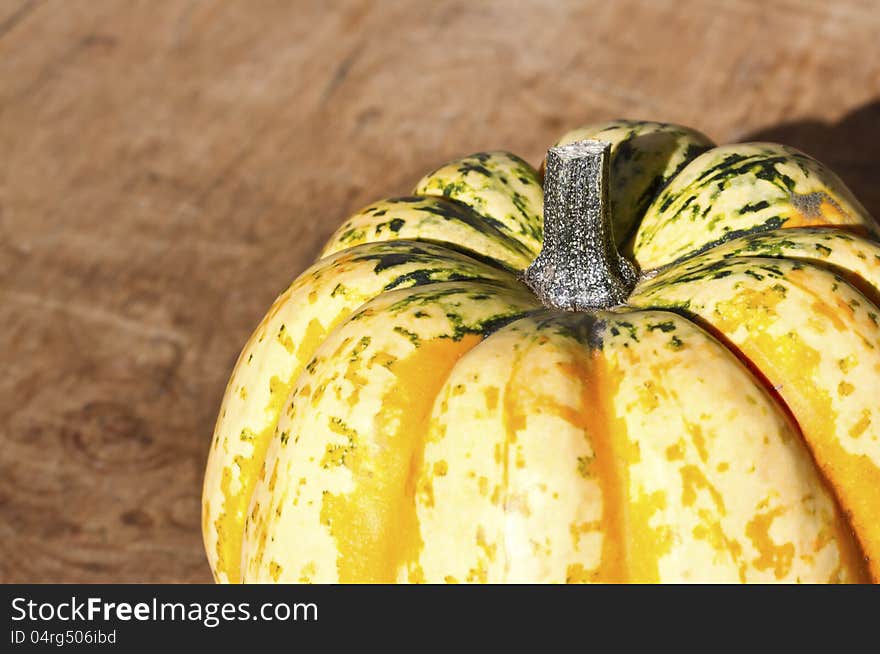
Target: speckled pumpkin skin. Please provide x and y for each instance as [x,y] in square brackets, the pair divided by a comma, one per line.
[407,411]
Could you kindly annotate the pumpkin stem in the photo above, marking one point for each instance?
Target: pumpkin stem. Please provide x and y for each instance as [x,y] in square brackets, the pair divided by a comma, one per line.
[579,267]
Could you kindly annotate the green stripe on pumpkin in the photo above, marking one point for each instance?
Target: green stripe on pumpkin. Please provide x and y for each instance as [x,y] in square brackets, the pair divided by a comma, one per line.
[499,186]
[734,190]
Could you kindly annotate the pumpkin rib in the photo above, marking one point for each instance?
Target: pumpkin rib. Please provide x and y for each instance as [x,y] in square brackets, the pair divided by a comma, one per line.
[832,343]
[477,513]
[434,219]
[855,259]
[741,189]
[674,370]
[713,248]
[277,352]
[376,358]
[499,186]
[769,388]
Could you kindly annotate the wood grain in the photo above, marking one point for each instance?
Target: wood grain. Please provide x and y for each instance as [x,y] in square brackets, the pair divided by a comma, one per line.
[167,167]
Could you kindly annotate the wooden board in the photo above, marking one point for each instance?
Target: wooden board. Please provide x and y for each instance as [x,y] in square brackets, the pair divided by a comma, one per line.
[167,167]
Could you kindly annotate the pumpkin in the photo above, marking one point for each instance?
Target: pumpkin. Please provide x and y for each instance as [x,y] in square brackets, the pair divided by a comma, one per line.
[662,366]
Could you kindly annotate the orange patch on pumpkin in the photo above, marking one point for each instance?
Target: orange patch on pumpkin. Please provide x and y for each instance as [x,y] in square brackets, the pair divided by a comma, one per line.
[375,526]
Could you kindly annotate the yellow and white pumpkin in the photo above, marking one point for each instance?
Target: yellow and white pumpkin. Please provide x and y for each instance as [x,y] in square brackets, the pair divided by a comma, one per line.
[410,410]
